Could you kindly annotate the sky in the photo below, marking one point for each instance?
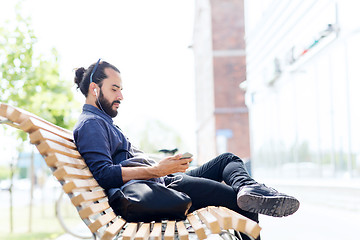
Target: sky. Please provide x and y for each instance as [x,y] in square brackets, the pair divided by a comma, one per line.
[148,41]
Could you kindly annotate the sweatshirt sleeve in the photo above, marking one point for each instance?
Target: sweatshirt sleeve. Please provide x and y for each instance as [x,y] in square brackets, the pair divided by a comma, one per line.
[92,141]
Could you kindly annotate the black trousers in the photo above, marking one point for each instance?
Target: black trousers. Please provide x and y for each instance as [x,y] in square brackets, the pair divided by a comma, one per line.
[205,188]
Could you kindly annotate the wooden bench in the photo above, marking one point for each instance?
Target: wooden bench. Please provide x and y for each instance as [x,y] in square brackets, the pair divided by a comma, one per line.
[57,147]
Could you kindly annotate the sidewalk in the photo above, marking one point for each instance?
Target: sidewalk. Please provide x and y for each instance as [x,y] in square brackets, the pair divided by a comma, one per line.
[327,212]
[312,221]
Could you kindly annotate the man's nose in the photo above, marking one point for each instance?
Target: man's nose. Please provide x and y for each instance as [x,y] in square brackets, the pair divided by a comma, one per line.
[120,96]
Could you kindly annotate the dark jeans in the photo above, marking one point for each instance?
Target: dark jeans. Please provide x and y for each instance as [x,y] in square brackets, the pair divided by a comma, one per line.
[205,188]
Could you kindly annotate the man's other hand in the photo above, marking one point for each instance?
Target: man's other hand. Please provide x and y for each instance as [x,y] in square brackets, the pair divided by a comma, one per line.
[172,164]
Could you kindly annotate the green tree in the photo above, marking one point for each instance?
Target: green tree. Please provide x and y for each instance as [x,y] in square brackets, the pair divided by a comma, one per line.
[31,81]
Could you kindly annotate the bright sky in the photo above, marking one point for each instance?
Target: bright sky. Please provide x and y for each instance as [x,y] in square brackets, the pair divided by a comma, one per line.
[147,40]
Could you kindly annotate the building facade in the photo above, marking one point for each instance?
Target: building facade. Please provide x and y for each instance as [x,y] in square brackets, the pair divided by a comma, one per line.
[219,53]
[302,88]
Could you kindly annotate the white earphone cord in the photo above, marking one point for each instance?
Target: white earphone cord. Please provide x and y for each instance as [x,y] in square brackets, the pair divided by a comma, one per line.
[97,99]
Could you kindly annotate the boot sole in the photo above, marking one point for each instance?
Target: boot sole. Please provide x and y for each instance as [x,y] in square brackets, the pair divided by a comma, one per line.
[275,206]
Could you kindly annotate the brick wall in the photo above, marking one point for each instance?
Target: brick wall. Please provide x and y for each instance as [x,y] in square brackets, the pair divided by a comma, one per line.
[219,49]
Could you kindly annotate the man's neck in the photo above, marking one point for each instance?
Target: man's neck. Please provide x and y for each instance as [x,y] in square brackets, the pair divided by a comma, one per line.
[91,102]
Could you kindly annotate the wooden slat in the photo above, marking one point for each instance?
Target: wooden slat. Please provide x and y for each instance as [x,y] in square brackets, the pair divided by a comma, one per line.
[130,231]
[48,147]
[93,209]
[101,221]
[3,110]
[79,185]
[156,231]
[182,231]
[244,224]
[87,196]
[197,226]
[143,232]
[170,231]
[209,220]
[32,124]
[7,110]
[222,216]
[18,115]
[4,116]
[65,172]
[113,229]
[238,223]
[40,135]
[58,160]
[252,228]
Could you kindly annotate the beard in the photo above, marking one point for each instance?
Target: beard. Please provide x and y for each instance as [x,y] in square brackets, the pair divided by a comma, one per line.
[106,106]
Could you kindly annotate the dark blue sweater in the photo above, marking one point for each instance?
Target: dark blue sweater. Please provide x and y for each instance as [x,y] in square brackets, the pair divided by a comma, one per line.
[104,147]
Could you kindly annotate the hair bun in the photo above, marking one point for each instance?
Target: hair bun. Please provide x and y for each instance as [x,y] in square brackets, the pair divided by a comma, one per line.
[79,75]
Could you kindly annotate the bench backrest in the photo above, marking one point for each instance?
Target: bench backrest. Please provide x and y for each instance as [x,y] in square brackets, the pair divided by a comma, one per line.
[57,146]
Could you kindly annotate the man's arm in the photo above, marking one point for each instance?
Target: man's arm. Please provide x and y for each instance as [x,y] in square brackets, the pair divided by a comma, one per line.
[169,165]
[92,141]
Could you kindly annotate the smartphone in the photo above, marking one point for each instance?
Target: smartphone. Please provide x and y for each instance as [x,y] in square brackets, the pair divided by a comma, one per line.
[186,155]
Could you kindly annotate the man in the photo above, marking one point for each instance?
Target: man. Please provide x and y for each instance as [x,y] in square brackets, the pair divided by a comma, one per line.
[114,162]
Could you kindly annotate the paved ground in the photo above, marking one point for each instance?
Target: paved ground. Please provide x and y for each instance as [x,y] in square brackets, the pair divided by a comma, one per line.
[313,222]
[324,214]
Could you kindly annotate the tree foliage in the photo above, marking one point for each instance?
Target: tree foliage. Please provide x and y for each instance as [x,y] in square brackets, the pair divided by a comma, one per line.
[29,80]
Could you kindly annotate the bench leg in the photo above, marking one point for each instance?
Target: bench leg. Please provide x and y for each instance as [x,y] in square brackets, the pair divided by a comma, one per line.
[62,223]
[238,236]
[228,235]
[235,235]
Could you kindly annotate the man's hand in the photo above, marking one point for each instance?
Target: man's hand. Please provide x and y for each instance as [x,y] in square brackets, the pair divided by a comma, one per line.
[169,165]
[172,164]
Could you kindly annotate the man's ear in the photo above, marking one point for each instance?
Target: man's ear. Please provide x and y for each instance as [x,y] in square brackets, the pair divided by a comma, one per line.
[93,89]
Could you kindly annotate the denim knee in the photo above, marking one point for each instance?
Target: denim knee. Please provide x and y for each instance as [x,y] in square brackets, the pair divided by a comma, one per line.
[229,157]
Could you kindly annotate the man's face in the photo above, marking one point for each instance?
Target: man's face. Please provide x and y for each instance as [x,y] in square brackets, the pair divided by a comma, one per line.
[110,93]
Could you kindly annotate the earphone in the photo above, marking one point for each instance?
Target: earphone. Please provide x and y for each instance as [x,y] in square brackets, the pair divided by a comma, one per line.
[97,99]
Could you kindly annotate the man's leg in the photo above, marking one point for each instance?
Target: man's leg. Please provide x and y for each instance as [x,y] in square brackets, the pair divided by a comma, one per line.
[206,192]
[226,167]
[251,196]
